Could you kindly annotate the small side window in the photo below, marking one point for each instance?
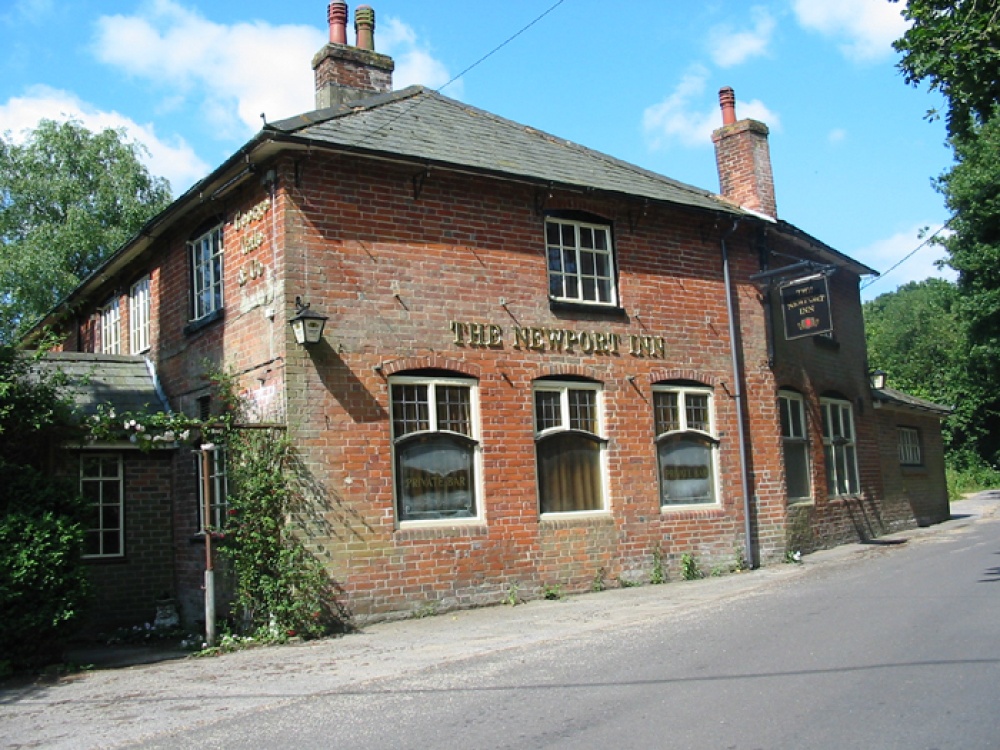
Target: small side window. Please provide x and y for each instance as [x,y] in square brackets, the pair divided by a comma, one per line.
[909,447]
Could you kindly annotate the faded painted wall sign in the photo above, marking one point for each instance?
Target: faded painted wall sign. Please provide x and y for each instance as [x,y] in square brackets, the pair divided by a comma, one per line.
[251,241]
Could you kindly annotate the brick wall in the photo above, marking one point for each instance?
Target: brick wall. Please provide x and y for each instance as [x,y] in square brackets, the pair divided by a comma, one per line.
[126,589]
[917,494]
[393,271]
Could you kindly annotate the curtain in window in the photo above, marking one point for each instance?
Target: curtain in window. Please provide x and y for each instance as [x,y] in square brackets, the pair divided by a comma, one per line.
[434,474]
[569,473]
[687,475]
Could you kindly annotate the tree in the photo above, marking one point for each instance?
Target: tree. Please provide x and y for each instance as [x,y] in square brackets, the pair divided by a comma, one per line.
[914,335]
[972,193]
[43,584]
[954,45]
[68,199]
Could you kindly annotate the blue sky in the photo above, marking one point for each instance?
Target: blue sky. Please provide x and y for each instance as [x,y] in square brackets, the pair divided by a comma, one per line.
[853,156]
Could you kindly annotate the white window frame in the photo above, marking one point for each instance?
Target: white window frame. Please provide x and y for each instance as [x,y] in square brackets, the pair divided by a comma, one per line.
[577,252]
[840,450]
[139,306]
[111,327]
[683,427]
[432,383]
[910,453]
[793,439]
[207,272]
[218,487]
[106,505]
[564,388]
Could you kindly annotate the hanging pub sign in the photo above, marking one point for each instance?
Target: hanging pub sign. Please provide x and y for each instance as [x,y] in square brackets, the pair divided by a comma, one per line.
[805,304]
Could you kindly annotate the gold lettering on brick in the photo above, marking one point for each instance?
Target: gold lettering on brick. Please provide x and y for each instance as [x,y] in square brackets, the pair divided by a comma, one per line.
[556,340]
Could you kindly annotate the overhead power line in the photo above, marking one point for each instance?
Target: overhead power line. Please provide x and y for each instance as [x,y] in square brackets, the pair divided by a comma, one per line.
[906,257]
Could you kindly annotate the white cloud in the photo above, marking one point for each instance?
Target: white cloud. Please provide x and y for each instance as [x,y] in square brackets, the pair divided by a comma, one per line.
[170,158]
[867,27]
[414,62]
[883,254]
[233,73]
[689,115]
[837,135]
[729,47]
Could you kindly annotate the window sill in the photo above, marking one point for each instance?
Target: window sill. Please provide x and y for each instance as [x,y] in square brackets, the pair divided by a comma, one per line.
[421,530]
[690,507]
[611,312]
[196,325]
[582,517]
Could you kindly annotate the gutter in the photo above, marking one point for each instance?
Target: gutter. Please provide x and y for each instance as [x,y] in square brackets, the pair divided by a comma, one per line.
[735,347]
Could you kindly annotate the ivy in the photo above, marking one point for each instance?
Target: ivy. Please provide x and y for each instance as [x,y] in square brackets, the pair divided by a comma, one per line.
[282,590]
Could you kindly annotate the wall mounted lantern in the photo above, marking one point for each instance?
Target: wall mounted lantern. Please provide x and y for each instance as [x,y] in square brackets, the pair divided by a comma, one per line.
[307,325]
[877,379]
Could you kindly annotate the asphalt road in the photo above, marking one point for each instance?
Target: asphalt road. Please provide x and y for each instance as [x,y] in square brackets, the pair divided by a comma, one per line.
[866,646]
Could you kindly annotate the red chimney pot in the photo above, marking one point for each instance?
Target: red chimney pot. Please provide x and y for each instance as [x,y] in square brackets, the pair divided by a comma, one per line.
[727,100]
[336,13]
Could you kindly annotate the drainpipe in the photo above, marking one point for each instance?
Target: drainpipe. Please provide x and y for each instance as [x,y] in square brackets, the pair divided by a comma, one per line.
[734,350]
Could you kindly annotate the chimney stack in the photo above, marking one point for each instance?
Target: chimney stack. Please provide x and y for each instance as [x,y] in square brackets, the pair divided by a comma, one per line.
[344,73]
[744,159]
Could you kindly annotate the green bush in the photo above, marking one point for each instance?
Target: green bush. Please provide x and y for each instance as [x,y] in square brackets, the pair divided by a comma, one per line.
[42,578]
[970,476]
[282,589]
[43,585]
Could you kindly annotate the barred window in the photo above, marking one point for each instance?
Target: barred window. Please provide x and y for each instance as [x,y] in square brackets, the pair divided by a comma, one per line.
[909,447]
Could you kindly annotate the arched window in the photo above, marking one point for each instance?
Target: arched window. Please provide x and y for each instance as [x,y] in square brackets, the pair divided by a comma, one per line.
[686,444]
[435,438]
[569,448]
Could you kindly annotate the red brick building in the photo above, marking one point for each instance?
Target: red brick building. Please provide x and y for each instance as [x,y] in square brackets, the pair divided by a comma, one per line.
[541,366]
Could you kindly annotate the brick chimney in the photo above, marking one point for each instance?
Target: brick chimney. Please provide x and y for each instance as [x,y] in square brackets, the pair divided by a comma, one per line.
[744,159]
[344,73]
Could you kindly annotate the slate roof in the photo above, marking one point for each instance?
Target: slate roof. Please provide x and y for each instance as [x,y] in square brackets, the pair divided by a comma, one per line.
[891,397]
[123,382]
[421,124]
[422,127]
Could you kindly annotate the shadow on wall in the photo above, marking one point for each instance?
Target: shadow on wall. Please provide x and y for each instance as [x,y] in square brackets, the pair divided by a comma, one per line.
[344,386]
[865,515]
